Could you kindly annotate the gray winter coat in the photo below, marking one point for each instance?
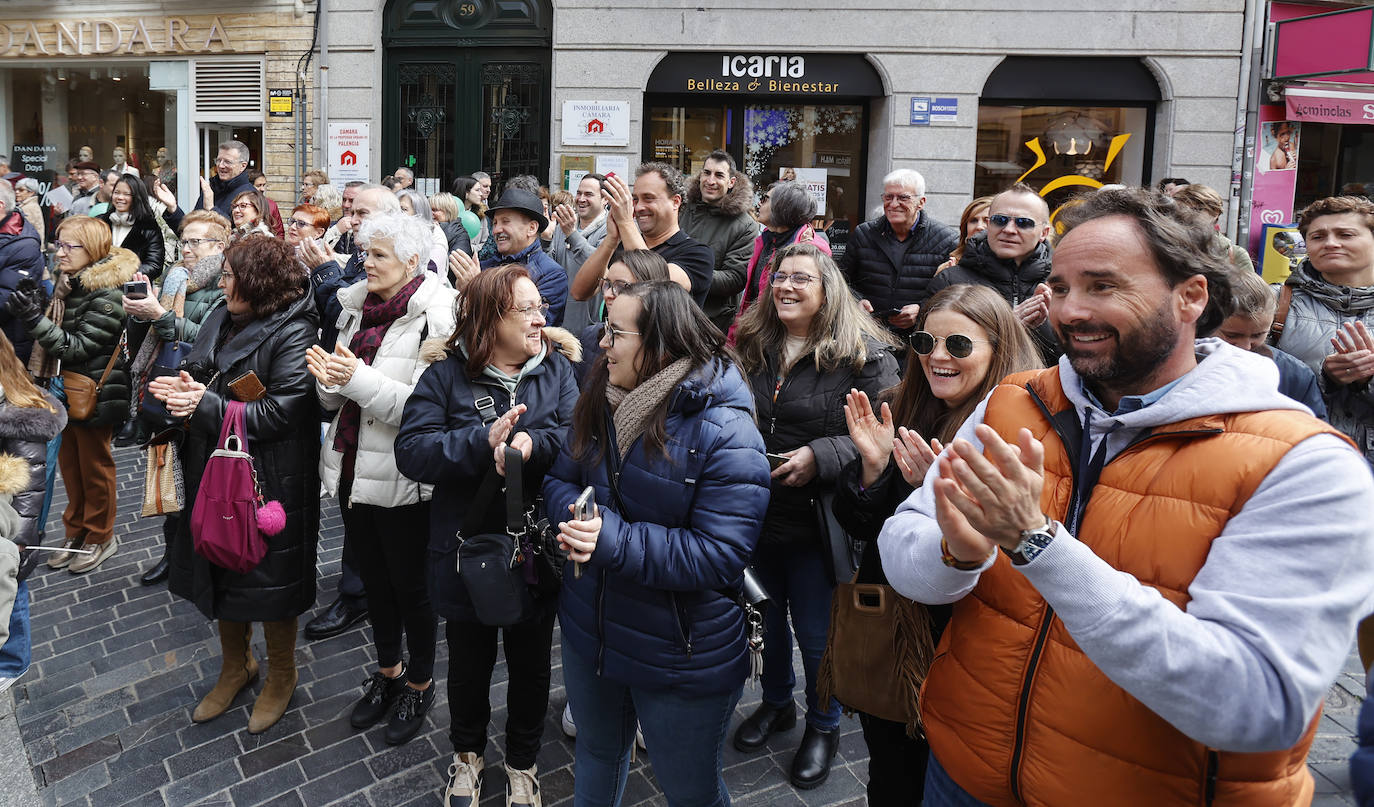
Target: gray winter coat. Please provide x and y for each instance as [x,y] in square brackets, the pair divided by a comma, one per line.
[1319,308]
[571,251]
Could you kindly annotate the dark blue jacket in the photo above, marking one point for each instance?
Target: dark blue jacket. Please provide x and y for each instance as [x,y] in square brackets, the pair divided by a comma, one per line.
[325,282]
[1297,381]
[442,442]
[648,609]
[21,257]
[548,275]
[225,192]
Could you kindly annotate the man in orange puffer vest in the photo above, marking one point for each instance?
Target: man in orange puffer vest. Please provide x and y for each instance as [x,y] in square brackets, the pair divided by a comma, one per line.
[1157,560]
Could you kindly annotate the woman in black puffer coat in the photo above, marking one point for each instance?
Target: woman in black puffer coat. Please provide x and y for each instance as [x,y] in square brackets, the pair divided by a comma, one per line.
[803,346]
[134,226]
[265,327]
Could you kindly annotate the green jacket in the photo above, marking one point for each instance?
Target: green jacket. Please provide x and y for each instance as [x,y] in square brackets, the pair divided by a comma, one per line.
[90,332]
[203,295]
[729,230]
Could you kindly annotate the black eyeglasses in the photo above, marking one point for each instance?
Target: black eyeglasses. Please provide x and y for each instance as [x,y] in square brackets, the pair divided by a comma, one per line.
[958,345]
[615,288]
[612,332]
[297,224]
[1022,222]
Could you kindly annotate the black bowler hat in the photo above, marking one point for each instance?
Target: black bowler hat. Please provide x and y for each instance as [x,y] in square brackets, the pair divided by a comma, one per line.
[522,200]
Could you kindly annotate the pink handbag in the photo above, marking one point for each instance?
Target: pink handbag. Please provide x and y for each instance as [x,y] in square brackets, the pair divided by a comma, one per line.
[225,522]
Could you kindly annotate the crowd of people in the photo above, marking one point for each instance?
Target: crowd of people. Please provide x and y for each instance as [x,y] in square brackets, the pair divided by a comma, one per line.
[1066,508]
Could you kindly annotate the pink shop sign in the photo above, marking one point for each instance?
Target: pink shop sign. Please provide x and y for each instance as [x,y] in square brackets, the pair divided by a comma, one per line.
[1329,106]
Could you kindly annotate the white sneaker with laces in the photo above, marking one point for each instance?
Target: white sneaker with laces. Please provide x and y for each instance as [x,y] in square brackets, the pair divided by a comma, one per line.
[464,781]
[569,727]
[522,787]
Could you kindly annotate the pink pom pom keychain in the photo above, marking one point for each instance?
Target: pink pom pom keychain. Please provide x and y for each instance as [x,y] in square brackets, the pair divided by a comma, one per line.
[271,517]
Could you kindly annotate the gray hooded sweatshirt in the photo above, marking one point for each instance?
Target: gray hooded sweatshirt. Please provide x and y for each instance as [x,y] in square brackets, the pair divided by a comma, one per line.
[1244,666]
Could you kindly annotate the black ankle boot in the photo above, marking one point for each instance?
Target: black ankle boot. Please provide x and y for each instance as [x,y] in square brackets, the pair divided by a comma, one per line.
[156,573]
[764,722]
[811,765]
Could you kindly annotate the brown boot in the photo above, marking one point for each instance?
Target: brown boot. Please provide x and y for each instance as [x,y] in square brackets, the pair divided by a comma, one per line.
[237,670]
[281,675]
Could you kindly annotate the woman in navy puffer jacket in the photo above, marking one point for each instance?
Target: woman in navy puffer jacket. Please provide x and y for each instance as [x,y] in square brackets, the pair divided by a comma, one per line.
[651,629]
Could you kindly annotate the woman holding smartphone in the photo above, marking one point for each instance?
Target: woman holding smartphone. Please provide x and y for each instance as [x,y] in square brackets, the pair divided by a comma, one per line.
[803,346]
[664,433]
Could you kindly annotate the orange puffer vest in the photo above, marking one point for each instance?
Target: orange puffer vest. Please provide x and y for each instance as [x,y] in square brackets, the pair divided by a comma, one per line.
[1016,712]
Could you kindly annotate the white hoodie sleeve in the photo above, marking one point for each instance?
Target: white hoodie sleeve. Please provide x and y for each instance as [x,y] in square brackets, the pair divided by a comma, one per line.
[1272,614]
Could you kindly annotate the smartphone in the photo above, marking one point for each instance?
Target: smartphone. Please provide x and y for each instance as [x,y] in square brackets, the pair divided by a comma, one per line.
[583,510]
[136,289]
[889,313]
[775,461]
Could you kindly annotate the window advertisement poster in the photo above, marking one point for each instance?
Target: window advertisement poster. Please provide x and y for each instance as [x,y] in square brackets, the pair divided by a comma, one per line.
[1276,179]
[596,123]
[813,179]
[349,150]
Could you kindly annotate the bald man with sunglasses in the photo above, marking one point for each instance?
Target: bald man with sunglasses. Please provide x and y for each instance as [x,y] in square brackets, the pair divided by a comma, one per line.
[1012,257]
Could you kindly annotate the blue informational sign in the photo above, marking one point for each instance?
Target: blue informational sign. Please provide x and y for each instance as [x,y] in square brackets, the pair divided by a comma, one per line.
[920,111]
[944,110]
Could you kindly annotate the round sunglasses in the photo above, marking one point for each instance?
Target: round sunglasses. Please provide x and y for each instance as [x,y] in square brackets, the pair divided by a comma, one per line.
[958,345]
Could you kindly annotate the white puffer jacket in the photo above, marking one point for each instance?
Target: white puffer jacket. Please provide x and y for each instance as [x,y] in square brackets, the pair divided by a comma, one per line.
[381,390]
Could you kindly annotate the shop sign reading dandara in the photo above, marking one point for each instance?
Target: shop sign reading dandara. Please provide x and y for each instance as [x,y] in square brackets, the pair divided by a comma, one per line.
[105,36]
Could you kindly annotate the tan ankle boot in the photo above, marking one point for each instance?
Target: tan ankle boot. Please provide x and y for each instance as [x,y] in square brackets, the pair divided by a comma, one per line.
[281,675]
[237,670]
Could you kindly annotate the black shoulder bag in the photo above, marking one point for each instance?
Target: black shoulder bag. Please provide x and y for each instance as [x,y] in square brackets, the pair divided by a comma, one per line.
[492,565]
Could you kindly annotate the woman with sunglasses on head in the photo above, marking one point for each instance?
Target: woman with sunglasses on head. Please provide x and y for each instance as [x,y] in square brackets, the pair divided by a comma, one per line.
[803,346]
[966,340]
[501,379]
[133,224]
[665,435]
[1012,257]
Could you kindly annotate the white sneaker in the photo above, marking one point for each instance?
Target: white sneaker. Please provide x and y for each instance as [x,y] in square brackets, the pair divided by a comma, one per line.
[569,727]
[464,781]
[522,787]
[639,738]
[6,683]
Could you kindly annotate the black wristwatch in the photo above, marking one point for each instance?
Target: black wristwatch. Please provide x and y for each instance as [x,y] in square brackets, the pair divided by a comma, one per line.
[1033,542]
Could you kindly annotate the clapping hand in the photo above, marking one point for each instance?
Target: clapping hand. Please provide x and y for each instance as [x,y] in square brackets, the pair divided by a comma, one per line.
[985,500]
[26,303]
[914,455]
[1353,361]
[1034,309]
[620,202]
[180,393]
[462,267]
[567,219]
[331,369]
[872,435]
[165,195]
[521,442]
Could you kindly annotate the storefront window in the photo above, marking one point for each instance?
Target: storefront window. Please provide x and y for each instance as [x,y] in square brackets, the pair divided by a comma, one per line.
[682,136]
[56,111]
[1335,160]
[1059,150]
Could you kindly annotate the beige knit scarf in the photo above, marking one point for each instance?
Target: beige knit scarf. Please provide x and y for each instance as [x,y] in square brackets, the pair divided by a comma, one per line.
[42,365]
[633,408]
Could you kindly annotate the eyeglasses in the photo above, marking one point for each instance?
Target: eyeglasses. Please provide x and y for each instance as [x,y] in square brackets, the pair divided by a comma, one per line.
[612,332]
[799,280]
[194,243]
[63,246]
[227,275]
[904,198]
[533,312]
[1022,222]
[615,288]
[958,345]
[241,206]
[223,161]
[297,224]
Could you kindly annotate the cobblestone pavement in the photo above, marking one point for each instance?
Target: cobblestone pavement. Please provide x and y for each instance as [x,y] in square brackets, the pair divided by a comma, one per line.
[105,711]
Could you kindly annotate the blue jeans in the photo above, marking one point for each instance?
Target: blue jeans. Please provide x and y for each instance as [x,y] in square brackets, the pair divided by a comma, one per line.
[942,791]
[16,652]
[796,578]
[685,736]
[54,445]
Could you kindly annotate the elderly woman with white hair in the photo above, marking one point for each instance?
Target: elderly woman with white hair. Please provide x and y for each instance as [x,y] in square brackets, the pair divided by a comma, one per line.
[415,204]
[385,318]
[26,192]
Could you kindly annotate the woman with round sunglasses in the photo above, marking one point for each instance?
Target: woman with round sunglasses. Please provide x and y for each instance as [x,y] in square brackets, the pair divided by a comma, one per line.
[1012,257]
[966,340]
[652,631]
[803,346]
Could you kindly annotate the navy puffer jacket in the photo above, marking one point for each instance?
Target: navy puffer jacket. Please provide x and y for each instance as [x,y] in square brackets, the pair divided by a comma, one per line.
[21,258]
[649,609]
[443,442]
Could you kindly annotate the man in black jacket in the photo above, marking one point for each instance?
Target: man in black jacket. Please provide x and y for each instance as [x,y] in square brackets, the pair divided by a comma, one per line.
[231,176]
[890,261]
[21,258]
[1013,258]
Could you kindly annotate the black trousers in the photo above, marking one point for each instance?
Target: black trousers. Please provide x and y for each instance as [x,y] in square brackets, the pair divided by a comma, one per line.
[896,763]
[471,659]
[390,545]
